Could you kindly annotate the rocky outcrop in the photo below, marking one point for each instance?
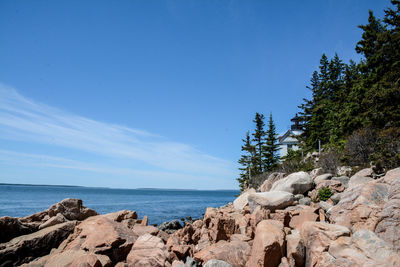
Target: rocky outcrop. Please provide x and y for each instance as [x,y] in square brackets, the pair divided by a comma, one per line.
[11,227]
[66,210]
[25,248]
[363,248]
[388,227]
[295,183]
[317,236]
[71,209]
[357,226]
[361,206]
[272,200]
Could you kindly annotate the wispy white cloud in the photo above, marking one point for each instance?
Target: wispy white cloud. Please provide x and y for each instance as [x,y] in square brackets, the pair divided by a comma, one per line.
[25,120]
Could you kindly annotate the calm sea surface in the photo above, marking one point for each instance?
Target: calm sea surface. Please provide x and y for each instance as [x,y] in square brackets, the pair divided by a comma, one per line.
[158,205]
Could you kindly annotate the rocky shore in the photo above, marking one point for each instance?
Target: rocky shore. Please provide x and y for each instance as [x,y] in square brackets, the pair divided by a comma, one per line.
[282,223]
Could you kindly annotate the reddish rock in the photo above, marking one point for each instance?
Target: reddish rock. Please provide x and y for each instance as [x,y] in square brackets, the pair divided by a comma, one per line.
[304,215]
[71,209]
[235,253]
[101,235]
[364,248]
[148,251]
[145,221]
[268,246]
[317,236]
[295,249]
[25,248]
[360,207]
[59,218]
[139,230]
[388,227]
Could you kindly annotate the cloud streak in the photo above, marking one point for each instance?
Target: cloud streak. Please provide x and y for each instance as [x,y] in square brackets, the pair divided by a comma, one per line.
[25,120]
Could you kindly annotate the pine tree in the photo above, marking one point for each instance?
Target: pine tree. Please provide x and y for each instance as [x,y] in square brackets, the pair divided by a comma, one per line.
[247,163]
[259,140]
[271,158]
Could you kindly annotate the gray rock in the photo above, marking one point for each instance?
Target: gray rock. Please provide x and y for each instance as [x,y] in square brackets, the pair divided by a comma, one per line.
[357,180]
[241,201]
[295,183]
[299,196]
[271,200]
[336,198]
[343,170]
[170,227]
[323,177]
[217,263]
[314,173]
[190,262]
[325,205]
[305,201]
[343,179]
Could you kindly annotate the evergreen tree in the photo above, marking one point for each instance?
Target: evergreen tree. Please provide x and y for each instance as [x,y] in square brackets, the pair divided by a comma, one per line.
[259,140]
[247,163]
[271,158]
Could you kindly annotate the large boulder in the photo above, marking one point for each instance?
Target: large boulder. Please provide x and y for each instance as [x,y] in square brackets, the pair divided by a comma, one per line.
[361,206]
[295,183]
[364,248]
[268,245]
[271,200]
[357,180]
[100,235]
[148,251]
[241,201]
[272,178]
[301,215]
[236,253]
[317,236]
[26,248]
[388,227]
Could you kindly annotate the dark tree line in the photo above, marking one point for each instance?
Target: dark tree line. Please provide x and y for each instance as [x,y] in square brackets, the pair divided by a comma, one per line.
[259,151]
[349,97]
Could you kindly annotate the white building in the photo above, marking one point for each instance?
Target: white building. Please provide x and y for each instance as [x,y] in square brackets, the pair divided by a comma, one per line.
[288,141]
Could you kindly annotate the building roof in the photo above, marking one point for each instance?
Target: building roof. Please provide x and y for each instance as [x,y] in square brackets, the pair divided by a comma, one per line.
[288,134]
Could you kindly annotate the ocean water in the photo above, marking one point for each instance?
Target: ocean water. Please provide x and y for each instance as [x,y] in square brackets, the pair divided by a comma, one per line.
[158,204]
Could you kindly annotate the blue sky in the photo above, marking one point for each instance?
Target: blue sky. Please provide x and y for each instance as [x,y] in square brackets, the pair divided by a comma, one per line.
[155,93]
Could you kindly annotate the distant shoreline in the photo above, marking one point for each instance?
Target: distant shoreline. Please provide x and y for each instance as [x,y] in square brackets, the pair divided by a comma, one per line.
[140,188]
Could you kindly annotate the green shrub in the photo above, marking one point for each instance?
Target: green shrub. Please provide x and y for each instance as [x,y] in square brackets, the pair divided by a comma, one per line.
[324,193]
